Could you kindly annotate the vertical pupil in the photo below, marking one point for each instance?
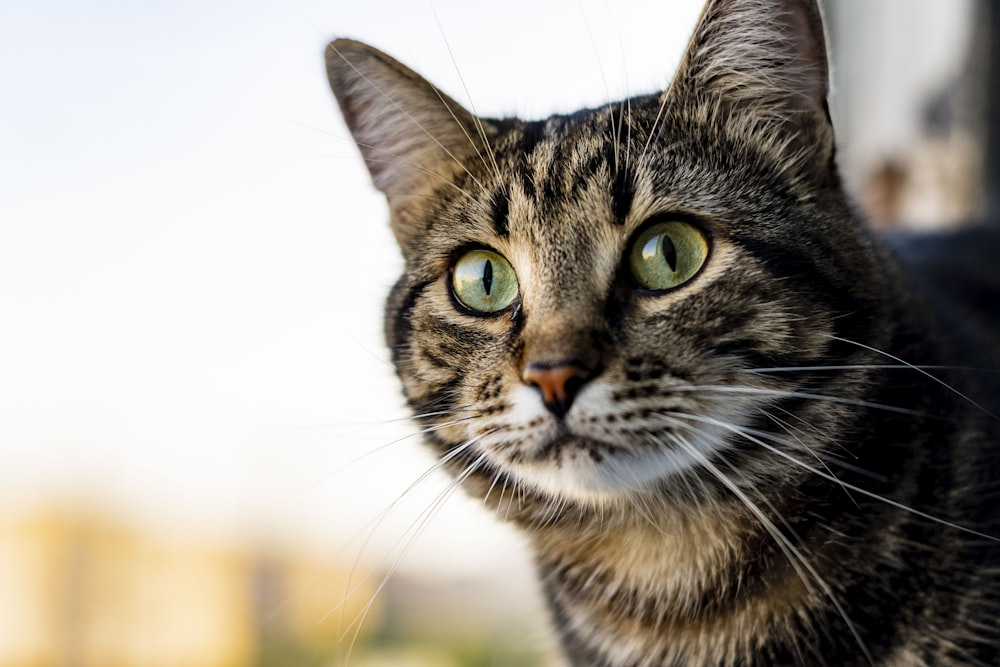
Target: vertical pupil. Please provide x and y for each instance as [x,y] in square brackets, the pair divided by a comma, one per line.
[669,252]
[488,277]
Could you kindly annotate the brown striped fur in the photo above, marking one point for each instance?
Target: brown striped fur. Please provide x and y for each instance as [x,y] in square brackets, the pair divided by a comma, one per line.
[752,470]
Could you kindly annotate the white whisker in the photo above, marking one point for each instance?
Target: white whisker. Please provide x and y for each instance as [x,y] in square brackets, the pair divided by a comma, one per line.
[794,555]
[409,536]
[372,526]
[816,471]
[780,393]
[802,446]
[475,114]
[843,367]
[919,370]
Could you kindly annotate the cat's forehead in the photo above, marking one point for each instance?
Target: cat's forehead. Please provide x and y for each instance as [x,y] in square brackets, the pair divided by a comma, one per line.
[572,190]
[583,170]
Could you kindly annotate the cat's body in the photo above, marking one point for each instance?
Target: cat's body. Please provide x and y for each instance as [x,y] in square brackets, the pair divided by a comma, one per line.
[736,429]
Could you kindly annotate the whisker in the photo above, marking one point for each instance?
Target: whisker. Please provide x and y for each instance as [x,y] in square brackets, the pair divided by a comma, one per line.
[857,470]
[725,389]
[845,367]
[818,432]
[411,535]
[919,370]
[820,473]
[655,128]
[640,506]
[358,459]
[489,491]
[615,132]
[597,53]
[438,413]
[825,457]
[372,526]
[672,417]
[627,120]
[806,448]
[627,103]
[475,114]
[389,158]
[792,553]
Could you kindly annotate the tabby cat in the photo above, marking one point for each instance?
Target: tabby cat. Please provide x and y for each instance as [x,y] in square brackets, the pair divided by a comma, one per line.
[736,426]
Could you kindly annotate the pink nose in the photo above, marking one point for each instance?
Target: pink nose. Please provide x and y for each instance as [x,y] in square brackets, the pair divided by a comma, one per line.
[558,383]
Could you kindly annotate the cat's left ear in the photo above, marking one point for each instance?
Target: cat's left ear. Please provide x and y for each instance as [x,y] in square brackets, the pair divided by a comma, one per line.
[764,64]
[413,137]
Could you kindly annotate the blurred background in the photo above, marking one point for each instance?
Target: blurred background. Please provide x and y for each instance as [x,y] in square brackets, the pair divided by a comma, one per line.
[204,460]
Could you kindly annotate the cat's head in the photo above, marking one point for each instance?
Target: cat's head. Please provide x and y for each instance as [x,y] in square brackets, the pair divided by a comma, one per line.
[594,305]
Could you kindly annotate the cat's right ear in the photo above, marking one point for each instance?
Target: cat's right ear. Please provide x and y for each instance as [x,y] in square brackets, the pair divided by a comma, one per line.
[763,65]
[412,136]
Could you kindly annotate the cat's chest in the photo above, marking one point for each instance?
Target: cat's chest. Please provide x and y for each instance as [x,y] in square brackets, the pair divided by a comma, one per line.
[669,587]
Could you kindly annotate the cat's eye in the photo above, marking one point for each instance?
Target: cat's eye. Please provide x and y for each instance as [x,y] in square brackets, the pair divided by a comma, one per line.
[484,282]
[667,255]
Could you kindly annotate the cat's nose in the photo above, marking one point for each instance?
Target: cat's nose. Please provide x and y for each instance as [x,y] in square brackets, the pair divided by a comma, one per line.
[558,383]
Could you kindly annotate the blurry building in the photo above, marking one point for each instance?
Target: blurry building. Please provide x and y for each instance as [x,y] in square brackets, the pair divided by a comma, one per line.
[84,589]
[908,102]
[80,590]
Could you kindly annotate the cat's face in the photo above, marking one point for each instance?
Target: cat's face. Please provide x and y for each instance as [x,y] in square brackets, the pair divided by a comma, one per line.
[594,306]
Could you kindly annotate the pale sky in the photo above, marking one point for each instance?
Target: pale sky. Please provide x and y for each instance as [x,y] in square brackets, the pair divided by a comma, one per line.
[193,261]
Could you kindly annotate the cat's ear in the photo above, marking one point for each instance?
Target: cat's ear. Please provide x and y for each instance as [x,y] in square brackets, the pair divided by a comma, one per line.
[411,135]
[765,63]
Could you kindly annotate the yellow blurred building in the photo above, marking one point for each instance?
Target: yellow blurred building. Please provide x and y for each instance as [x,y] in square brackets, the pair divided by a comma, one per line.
[80,591]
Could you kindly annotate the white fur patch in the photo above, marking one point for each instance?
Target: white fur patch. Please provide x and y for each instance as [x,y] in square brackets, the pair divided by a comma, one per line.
[608,459]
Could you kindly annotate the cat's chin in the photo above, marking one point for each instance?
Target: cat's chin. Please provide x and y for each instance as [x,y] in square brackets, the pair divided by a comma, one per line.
[590,471]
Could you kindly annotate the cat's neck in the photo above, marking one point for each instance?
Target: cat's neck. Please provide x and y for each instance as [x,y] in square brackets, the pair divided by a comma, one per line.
[666,586]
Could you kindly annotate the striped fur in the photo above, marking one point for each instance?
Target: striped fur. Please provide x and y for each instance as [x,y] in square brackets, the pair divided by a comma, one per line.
[753,473]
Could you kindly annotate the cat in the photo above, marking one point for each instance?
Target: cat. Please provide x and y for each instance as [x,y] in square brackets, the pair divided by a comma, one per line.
[736,426]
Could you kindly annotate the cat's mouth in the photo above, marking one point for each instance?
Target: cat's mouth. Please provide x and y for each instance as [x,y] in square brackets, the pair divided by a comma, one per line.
[573,466]
[596,454]
[565,444]
[588,459]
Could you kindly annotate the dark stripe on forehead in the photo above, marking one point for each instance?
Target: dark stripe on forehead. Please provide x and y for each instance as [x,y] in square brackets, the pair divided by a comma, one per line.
[499,211]
[528,185]
[622,194]
[530,135]
[616,154]
[584,173]
[523,147]
[552,181]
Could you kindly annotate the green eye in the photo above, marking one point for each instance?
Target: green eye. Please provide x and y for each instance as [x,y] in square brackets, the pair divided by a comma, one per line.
[667,255]
[484,281]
